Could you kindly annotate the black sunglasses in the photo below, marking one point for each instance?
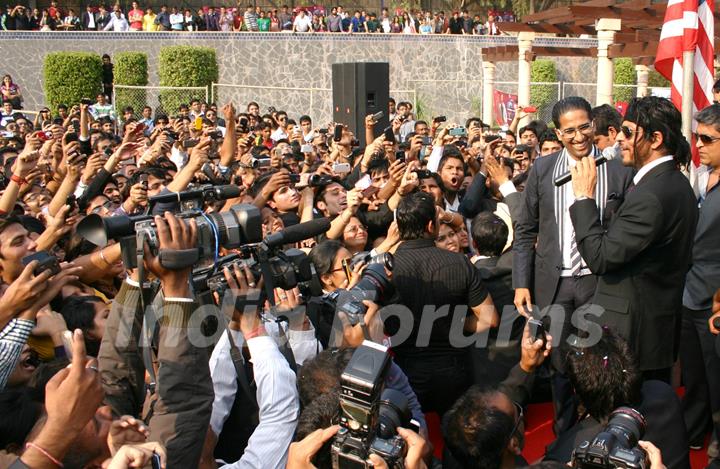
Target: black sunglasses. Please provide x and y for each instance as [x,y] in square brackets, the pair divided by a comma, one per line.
[627,131]
[705,139]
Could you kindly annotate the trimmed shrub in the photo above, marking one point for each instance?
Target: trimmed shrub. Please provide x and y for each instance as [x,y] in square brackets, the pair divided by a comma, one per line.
[543,96]
[71,76]
[624,75]
[131,68]
[185,66]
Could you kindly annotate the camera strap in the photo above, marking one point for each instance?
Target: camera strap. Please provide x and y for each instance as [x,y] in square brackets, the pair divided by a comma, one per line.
[148,325]
[241,370]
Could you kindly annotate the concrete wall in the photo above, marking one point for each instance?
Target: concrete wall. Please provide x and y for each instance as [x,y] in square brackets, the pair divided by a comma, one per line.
[443,73]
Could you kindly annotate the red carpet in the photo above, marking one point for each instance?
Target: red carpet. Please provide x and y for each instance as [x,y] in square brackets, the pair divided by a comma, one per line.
[538,434]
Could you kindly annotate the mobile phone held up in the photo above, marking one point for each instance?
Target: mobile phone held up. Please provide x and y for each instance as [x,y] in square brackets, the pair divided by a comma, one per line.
[337,132]
[530,109]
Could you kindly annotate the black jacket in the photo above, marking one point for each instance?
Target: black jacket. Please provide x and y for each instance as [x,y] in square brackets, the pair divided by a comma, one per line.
[536,248]
[641,259]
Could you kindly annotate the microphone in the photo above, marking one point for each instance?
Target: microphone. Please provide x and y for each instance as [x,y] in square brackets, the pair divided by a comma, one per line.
[298,232]
[225,192]
[566,177]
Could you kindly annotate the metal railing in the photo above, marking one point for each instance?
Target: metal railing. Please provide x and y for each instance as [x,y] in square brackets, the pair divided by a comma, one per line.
[162,99]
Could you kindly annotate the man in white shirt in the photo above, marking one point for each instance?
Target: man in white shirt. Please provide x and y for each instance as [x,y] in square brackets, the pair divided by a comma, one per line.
[117,23]
[302,23]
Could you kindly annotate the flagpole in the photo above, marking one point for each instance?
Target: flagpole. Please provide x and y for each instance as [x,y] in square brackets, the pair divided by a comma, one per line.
[687,93]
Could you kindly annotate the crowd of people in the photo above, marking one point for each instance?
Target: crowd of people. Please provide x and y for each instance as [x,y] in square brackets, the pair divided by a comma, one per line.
[251,18]
[200,289]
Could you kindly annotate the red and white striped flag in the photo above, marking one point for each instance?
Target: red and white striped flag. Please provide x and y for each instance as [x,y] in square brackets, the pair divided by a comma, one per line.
[689,26]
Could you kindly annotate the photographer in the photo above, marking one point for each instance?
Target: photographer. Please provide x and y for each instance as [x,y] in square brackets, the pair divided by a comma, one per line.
[250,443]
[605,377]
[485,427]
[180,409]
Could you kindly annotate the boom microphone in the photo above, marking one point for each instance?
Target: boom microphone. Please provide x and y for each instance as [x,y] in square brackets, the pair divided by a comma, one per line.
[566,177]
[298,232]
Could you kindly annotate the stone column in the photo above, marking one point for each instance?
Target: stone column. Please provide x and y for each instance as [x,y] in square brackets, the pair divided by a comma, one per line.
[643,73]
[488,101]
[606,29]
[525,41]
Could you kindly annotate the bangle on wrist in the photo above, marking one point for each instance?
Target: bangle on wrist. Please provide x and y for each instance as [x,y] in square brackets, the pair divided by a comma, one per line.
[102,256]
[18,180]
[52,458]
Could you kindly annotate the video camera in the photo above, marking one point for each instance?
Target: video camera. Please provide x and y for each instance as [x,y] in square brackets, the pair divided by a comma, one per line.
[369,414]
[284,269]
[616,445]
[241,225]
[374,285]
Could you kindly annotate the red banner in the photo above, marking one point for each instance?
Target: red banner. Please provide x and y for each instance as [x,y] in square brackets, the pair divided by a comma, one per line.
[505,105]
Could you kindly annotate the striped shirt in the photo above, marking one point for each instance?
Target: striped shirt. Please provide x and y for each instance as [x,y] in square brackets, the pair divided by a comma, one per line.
[12,340]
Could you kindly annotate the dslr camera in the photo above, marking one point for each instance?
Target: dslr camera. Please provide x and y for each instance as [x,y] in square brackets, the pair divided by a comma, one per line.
[370,414]
[616,445]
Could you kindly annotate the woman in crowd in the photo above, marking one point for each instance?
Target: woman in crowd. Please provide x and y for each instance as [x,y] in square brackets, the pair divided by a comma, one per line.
[11,92]
[396,26]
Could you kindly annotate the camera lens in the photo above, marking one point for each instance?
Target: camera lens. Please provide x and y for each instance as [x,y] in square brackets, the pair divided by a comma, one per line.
[393,412]
[240,225]
[628,425]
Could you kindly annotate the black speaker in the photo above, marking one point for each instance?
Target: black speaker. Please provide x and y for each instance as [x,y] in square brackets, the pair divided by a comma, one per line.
[359,89]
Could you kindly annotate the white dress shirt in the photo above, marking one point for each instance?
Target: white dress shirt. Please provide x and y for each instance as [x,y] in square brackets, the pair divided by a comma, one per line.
[117,24]
[569,229]
[277,399]
[648,167]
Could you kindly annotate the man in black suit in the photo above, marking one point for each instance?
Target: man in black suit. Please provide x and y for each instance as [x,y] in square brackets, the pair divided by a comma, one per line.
[605,377]
[88,20]
[642,257]
[492,364]
[545,255]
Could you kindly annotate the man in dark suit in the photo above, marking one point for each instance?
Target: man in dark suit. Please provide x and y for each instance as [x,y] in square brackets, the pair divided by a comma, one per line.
[642,257]
[88,20]
[492,364]
[605,377]
[546,261]
[102,18]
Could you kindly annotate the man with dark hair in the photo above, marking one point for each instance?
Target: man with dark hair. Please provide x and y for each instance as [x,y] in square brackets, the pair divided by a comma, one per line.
[605,376]
[716,92]
[700,363]
[545,256]
[549,143]
[529,136]
[607,121]
[433,358]
[485,427]
[641,257]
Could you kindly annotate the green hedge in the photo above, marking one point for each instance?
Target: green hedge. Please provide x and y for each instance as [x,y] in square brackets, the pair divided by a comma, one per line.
[543,96]
[185,66]
[71,76]
[131,68]
[624,75]
[657,80]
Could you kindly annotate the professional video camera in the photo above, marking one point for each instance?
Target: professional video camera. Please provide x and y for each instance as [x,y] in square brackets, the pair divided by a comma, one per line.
[280,269]
[241,225]
[616,445]
[374,285]
[369,414]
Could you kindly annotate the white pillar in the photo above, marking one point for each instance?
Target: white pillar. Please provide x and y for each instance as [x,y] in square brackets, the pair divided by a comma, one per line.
[488,103]
[643,74]
[606,29]
[525,41]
